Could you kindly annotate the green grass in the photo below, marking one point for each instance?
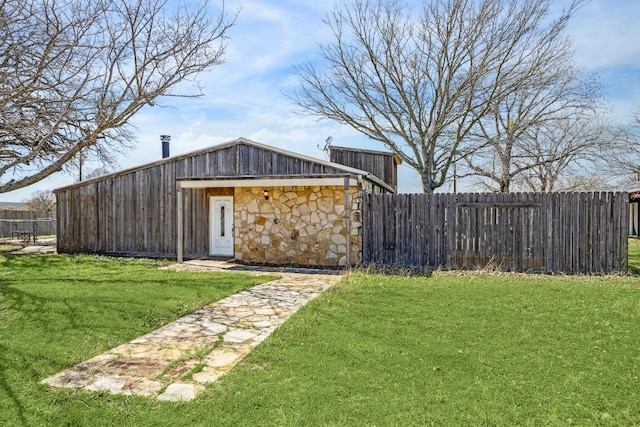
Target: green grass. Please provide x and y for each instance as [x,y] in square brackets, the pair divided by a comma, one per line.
[56,311]
[634,255]
[452,349]
[468,349]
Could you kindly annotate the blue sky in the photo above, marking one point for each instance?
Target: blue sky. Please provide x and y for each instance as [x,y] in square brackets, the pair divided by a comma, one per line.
[244,96]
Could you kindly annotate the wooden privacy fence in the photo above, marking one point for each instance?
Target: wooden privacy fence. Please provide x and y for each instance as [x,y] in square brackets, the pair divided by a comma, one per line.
[538,232]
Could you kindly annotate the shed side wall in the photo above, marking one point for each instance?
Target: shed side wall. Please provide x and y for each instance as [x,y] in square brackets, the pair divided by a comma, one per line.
[381,165]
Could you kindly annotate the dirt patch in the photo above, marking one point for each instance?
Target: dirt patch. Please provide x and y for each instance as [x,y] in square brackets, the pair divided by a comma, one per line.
[135,367]
[178,371]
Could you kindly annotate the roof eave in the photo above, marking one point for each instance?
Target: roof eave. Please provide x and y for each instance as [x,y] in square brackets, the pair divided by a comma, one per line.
[228,144]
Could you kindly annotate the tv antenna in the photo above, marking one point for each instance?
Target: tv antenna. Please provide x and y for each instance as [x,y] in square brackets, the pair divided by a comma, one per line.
[327,144]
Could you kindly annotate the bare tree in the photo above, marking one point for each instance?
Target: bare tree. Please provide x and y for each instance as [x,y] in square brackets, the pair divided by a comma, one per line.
[554,156]
[95,173]
[553,100]
[73,73]
[584,182]
[539,157]
[421,85]
[41,201]
[627,164]
[619,159]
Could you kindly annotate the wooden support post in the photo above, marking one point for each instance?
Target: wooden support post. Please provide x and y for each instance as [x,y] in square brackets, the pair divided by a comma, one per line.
[347,219]
[180,224]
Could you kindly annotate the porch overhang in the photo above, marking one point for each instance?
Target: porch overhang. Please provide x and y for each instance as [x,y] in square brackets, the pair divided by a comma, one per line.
[344,180]
[263,181]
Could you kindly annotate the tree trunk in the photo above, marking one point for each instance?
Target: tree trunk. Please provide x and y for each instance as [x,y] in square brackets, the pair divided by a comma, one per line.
[427,184]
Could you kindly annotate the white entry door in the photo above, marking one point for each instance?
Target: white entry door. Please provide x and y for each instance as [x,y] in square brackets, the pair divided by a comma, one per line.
[221,226]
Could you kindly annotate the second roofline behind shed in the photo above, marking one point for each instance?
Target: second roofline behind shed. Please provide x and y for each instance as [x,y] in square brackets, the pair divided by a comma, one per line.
[347,169]
[396,157]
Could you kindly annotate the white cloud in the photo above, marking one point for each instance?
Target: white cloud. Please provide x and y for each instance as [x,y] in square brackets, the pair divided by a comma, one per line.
[605,33]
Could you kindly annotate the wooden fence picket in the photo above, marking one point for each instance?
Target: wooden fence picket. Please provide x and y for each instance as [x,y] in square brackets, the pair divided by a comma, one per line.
[542,232]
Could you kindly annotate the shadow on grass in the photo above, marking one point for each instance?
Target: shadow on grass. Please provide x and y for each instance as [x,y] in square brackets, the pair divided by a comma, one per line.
[7,389]
[57,310]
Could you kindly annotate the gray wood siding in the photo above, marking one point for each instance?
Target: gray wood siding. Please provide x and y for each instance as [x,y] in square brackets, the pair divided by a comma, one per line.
[381,165]
[134,212]
[544,232]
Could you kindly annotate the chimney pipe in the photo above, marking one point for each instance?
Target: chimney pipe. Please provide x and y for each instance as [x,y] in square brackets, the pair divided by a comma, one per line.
[165,145]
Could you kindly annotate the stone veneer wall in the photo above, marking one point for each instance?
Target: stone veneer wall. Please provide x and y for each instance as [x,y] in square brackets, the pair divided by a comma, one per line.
[297,226]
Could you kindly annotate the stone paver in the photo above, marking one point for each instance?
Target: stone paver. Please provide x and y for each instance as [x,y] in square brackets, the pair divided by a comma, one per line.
[42,246]
[176,392]
[177,360]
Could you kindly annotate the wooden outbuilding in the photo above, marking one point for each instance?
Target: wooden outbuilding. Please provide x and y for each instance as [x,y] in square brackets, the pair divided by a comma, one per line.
[241,199]
[382,164]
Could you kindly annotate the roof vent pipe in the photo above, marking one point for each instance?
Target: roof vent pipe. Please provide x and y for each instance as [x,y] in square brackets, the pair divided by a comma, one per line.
[165,145]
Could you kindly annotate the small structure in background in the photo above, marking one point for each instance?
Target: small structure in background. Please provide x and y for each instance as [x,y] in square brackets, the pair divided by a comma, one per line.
[24,226]
[382,164]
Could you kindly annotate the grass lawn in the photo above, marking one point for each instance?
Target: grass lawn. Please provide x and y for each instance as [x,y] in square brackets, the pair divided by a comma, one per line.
[634,255]
[451,349]
[56,311]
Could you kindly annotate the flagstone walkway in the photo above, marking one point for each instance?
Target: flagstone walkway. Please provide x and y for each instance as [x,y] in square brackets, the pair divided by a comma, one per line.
[176,361]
